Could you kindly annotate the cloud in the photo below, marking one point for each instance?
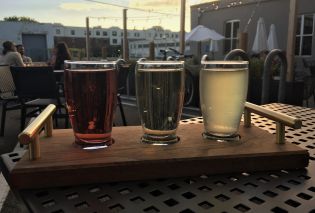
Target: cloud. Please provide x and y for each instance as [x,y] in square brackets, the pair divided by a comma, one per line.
[155,5]
[78,6]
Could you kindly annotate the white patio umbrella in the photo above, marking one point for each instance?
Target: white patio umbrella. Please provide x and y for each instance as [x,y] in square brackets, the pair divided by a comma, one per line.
[202,33]
[260,42]
[272,41]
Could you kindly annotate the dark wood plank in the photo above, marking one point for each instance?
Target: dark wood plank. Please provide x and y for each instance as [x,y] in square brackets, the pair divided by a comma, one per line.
[62,163]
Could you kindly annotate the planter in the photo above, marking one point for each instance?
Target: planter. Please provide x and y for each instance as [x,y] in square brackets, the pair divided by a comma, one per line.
[294,92]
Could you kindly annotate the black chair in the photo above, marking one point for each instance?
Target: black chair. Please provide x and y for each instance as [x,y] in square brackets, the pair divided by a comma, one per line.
[309,81]
[36,88]
[8,98]
[123,72]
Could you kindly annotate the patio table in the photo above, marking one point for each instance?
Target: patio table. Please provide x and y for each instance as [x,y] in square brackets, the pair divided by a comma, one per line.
[269,191]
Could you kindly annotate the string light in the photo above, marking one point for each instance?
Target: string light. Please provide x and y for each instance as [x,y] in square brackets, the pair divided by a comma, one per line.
[221,4]
[147,18]
[230,3]
[132,8]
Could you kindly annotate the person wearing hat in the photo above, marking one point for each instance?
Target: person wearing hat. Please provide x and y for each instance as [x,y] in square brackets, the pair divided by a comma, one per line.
[10,55]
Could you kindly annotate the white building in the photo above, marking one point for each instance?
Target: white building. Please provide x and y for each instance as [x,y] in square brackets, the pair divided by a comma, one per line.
[39,38]
[162,39]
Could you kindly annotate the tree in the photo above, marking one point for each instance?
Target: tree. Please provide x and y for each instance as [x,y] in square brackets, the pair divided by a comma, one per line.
[21,18]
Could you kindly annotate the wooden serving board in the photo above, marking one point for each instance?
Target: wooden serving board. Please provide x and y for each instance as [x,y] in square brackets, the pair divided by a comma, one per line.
[62,163]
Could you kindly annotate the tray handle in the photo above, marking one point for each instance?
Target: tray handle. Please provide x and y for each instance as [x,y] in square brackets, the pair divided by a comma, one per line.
[30,135]
[281,120]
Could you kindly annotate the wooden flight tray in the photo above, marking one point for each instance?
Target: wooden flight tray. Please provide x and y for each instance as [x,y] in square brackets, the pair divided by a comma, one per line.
[62,163]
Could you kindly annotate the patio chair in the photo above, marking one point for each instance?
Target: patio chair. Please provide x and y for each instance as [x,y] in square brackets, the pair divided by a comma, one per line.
[8,99]
[309,81]
[36,88]
[123,72]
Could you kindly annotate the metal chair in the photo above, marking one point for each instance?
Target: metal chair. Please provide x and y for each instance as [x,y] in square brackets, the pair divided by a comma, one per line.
[309,81]
[36,88]
[123,72]
[7,94]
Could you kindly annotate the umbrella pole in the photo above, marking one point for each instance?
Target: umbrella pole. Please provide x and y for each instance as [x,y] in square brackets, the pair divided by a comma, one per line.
[199,47]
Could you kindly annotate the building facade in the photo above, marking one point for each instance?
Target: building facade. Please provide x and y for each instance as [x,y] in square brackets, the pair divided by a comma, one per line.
[229,17]
[40,38]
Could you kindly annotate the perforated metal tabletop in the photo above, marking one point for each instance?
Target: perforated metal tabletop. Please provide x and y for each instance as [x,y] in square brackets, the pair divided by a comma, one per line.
[273,191]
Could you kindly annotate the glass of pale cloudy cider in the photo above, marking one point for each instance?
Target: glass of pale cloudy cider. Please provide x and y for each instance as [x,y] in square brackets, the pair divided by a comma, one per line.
[91,94]
[160,95]
[223,91]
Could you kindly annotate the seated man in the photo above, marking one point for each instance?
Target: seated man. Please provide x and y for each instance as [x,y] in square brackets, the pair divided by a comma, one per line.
[21,50]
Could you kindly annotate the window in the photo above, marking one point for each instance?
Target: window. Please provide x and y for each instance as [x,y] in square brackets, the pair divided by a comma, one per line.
[98,33]
[121,34]
[304,35]
[114,41]
[72,32]
[231,31]
[58,31]
[104,33]
[114,33]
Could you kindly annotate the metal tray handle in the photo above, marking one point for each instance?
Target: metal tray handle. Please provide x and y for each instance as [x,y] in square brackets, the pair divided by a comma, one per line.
[281,120]
[30,135]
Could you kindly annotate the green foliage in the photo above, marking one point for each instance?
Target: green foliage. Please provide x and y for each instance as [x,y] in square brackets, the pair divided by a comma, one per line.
[256,68]
[20,18]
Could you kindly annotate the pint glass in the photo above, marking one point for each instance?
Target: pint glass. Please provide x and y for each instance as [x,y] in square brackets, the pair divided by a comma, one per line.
[160,94]
[223,91]
[91,94]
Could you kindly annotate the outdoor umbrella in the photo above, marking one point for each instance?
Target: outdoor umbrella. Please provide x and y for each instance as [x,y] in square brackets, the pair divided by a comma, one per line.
[260,42]
[272,38]
[202,33]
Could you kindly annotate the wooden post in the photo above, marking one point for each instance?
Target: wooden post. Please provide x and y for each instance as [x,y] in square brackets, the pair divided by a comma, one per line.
[152,50]
[182,27]
[291,39]
[104,52]
[87,39]
[243,41]
[125,41]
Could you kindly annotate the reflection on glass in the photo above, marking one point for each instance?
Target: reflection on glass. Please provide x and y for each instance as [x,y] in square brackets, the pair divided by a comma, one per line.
[160,94]
[223,90]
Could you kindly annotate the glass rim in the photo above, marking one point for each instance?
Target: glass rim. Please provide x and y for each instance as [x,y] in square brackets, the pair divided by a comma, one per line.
[90,62]
[225,62]
[160,62]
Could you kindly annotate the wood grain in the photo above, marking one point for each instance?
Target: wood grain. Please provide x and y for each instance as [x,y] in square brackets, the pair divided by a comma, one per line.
[62,163]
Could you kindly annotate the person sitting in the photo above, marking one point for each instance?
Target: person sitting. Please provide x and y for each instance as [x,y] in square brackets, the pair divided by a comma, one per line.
[62,53]
[10,55]
[21,50]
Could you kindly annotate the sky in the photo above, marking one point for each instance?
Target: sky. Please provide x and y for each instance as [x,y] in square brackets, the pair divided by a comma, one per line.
[74,12]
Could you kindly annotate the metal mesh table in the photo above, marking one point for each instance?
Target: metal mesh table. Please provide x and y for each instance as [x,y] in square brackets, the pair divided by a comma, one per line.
[273,191]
